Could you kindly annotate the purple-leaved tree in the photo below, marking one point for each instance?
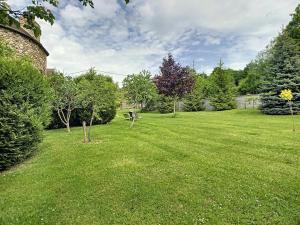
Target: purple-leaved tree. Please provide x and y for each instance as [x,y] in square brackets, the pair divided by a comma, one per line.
[174,81]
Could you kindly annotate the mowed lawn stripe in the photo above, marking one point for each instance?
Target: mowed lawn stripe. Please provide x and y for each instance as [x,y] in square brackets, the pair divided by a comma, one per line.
[232,167]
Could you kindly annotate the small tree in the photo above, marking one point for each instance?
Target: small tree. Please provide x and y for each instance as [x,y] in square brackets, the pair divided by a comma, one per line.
[96,93]
[222,89]
[65,96]
[174,81]
[139,88]
[195,100]
[287,95]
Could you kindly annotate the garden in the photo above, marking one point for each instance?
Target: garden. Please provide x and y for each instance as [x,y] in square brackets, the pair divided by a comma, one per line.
[230,167]
[169,148]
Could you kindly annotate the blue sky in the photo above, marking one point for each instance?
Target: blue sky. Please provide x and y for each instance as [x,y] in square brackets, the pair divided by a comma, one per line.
[123,39]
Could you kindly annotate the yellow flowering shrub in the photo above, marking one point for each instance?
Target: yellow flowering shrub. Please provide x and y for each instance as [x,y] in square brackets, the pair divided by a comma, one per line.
[286,94]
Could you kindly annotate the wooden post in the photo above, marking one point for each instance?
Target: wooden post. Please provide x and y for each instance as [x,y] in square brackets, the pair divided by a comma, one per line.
[292,113]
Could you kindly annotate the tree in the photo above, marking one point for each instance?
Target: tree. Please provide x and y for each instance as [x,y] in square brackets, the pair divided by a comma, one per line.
[254,73]
[37,9]
[251,83]
[287,95]
[96,93]
[174,81]
[195,100]
[283,69]
[25,101]
[65,96]
[284,74]
[222,89]
[139,88]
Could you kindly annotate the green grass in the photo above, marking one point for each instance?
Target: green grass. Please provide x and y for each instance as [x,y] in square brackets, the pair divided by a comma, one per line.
[233,167]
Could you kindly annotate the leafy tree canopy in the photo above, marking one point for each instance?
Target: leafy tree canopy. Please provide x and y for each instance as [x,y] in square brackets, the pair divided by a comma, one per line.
[139,88]
[174,81]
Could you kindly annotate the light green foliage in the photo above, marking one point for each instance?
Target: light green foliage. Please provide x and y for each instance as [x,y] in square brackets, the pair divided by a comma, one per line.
[96,94]
[195,100]
[255,72]
[230,167]
[139,89]
[165,104]
[65,96]
[222,89]
[24,109]
[237,75]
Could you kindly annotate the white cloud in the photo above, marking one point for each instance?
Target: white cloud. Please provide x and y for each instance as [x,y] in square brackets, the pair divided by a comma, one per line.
[126,41]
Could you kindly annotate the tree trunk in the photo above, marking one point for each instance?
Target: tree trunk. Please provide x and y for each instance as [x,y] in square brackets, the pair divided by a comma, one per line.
[84,132]
[89,131]
[90,125]
[174,108]
[65,120]
[68,127]
[68,118]
[133,115]
[292,114]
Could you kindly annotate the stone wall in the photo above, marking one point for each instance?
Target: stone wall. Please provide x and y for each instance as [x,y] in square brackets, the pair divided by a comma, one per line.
[24,44]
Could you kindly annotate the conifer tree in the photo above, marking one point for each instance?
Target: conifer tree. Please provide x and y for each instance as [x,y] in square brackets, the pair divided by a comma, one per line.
[222,89]
[284,70]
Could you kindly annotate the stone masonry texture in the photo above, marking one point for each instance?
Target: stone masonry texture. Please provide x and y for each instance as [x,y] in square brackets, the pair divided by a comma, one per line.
[25,45]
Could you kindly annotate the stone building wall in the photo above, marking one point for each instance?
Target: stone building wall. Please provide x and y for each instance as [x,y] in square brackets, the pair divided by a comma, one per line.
[25,44]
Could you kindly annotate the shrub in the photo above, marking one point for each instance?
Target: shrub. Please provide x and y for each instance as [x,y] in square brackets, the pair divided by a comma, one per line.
[24,109]
[165,104]
[195,100]
[150,106]
[193,103]
[75,120]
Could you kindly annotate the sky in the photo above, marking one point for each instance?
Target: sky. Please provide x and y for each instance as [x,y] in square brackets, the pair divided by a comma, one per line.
[119,39]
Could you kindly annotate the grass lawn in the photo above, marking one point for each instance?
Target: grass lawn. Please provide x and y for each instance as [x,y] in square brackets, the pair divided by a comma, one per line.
[232,167]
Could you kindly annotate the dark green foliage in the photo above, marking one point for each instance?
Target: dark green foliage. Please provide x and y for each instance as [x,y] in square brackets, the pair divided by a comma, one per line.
[237,75]
[222,91]
[150,105]
[284,70]
[165,104]
[253,80]
[293,28]
[284,74]
[195,100]
[75,120]
[24,109]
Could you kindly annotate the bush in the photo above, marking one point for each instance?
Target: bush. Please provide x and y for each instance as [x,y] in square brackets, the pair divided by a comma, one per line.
[75,120]
[150,106]
[24,109]
[165,104]
[194,102]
